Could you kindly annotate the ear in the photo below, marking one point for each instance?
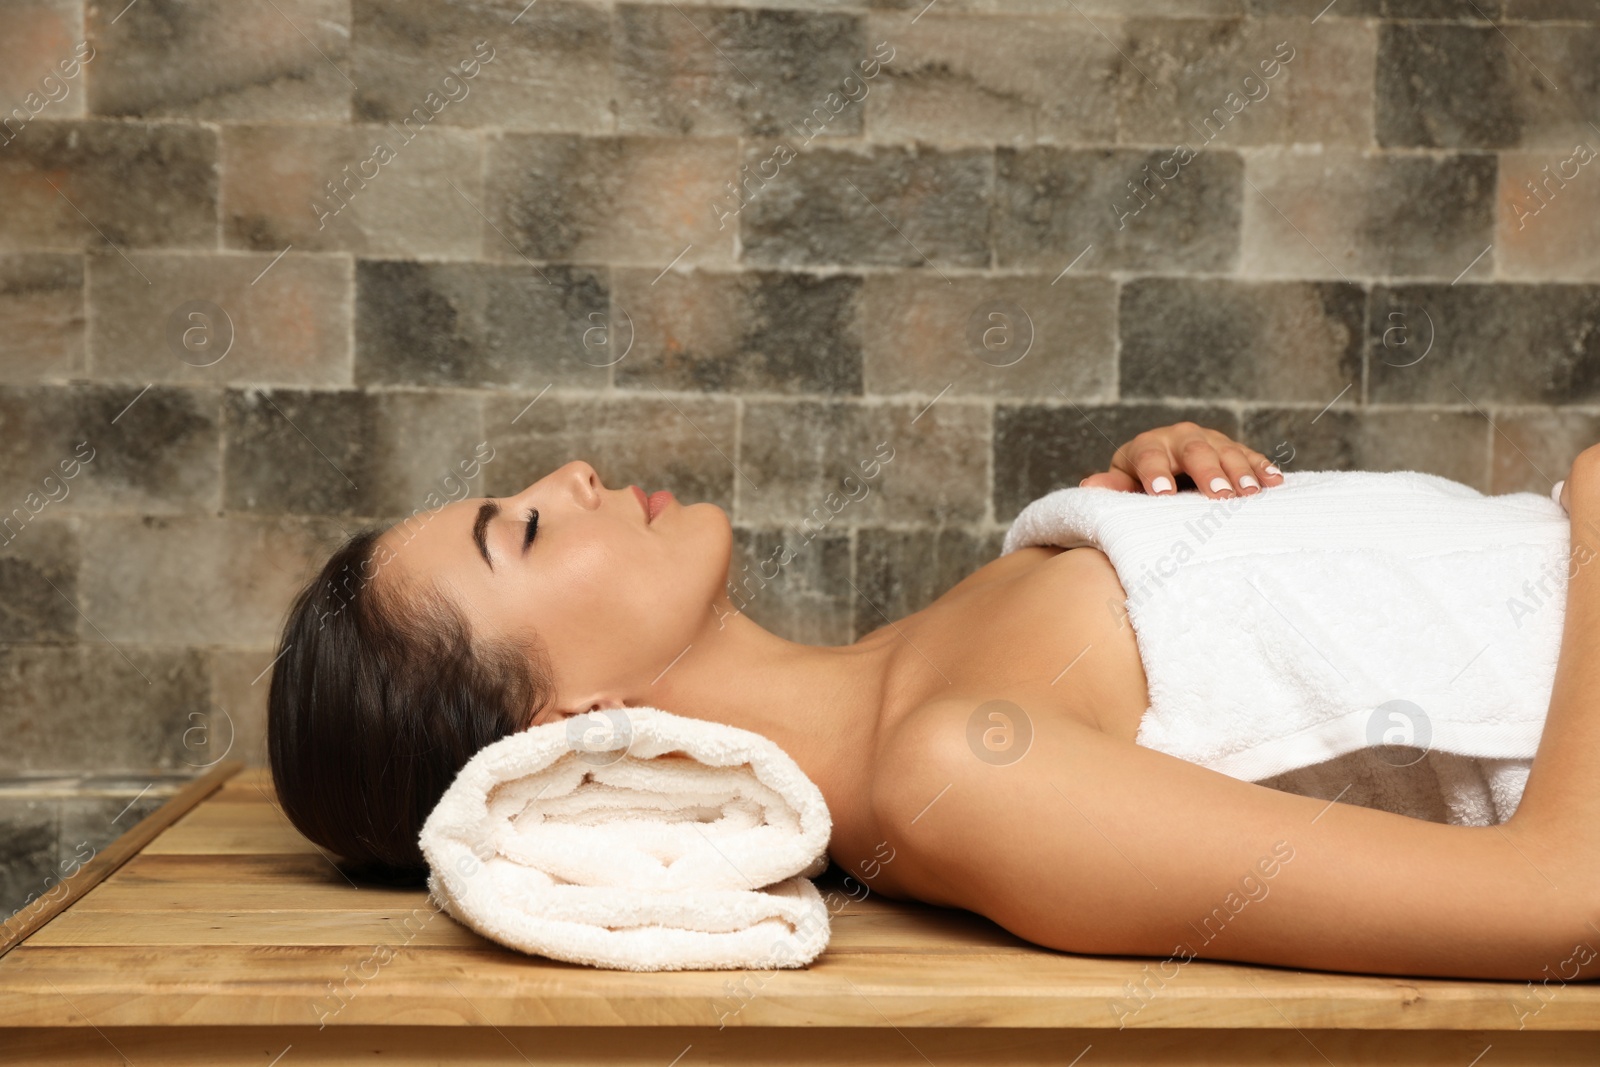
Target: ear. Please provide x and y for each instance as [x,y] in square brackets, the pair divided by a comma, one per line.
[560,713]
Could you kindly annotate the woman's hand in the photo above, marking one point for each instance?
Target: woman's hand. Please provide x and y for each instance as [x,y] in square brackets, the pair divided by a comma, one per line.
[1218,465]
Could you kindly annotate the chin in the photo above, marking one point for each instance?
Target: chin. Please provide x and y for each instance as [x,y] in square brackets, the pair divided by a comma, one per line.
[708,506]
[724,535]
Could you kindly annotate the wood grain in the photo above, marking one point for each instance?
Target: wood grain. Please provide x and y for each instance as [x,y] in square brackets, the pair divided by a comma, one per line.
[413,1046]
[230,921]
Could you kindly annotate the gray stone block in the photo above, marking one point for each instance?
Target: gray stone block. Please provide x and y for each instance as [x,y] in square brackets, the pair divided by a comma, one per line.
[91,448]
[1481,10]
[481,324]
[133,184]
[794,582]
[40,70]
[1533,450]
[1453,85]
[216,319]
[714,71]
[28,831]
[236,725]
[39,582]
[622,200]
[752,331]
[1549,215]
[903,571]
[195,581]
[1006,335]
[854,464]
[884,205]
[377,190]
[1218,338]
[211,59]
[976,79]
[1110,9]
[1325,9]
[1507,343]
[41,316]
[1564,10]
[97,705]
[1447,443]
[343,453]
[1235,82]
[548,64]
[1168,210]
[1352,215]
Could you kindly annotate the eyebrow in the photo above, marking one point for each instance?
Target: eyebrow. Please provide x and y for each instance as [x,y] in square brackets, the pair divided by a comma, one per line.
[486,513]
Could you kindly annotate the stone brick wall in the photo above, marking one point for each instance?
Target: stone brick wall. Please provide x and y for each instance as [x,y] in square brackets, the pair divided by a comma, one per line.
[271,271]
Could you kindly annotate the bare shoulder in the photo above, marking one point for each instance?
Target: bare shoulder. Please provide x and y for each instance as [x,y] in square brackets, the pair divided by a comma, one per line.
[1081,841]
[1009,565]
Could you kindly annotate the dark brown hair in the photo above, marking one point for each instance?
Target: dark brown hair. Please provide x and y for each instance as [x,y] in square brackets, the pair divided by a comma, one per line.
[377,700]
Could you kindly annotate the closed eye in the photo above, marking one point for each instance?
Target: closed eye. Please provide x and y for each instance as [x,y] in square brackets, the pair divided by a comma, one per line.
[533,527]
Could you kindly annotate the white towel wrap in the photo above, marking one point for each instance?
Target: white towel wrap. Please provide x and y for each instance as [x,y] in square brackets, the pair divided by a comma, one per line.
[1337,610]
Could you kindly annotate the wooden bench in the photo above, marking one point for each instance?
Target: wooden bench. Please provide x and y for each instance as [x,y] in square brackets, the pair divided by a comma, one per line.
[215,933]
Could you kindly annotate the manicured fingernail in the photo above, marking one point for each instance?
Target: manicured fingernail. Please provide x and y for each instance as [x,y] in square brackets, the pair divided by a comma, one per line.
[1270,469]
[1249,481]
[1162,484]
[1219,483]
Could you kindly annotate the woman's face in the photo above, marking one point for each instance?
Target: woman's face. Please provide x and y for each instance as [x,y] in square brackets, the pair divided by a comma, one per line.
[613,596]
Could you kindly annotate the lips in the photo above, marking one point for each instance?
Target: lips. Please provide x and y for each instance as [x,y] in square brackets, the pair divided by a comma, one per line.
[653,503]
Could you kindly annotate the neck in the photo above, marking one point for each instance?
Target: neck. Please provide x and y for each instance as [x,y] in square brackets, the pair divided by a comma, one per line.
[819,703]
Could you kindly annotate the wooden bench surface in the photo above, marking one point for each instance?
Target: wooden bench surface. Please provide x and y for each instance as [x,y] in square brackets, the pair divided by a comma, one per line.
[230,918]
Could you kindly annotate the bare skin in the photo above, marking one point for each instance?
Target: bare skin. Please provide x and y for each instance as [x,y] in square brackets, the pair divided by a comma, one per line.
[1085,841]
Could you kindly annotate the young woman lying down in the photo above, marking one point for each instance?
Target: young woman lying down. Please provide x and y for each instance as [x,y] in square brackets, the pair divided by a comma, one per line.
[412,650]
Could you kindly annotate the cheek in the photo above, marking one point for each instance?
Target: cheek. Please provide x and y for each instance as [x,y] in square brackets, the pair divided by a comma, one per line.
[599,580]
[672,577]
[619,581]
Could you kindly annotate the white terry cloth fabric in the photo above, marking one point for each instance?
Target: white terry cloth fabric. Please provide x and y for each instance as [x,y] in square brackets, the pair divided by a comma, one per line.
[1335,611]
[641,840]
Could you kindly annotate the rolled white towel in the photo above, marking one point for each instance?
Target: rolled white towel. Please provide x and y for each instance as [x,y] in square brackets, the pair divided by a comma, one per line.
[635,839]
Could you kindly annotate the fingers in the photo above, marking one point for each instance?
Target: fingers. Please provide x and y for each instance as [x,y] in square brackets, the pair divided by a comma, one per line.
[1223,468]
[1243,470]
[1147,464]
[1241,473]
[1114,479]
[1202,462]
[1265,470]
[1154,466]
[1218,465]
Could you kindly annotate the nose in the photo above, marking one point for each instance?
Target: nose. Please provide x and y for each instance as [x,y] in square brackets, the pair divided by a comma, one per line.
[577,477]
[585,481]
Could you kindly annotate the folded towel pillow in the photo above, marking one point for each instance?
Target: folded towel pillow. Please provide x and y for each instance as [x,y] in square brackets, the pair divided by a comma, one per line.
[635,839]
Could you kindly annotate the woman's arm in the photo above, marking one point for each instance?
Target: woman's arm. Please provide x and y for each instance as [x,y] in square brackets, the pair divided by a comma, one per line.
[1091,844]
[1218,465]
[1563,788]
